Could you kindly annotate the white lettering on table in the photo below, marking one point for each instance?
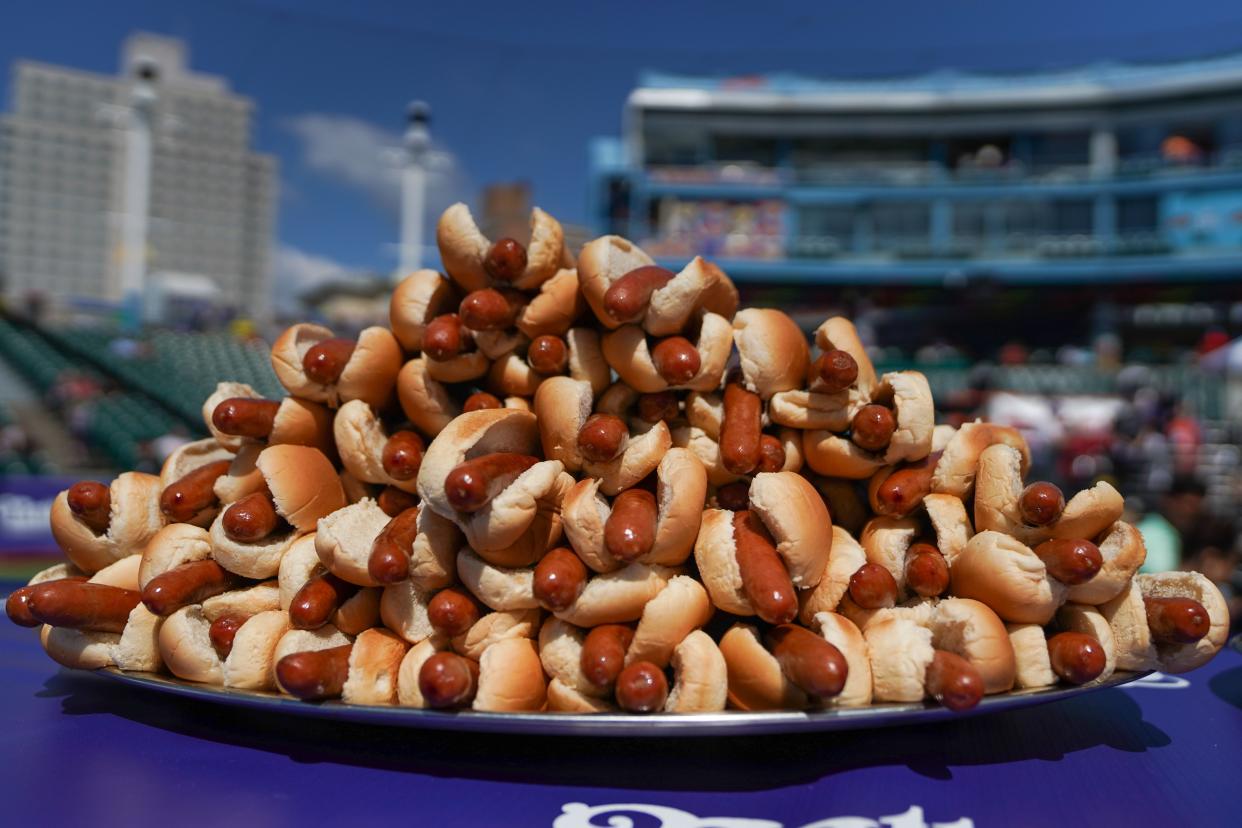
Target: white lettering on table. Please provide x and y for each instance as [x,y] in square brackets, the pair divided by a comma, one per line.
[581,815]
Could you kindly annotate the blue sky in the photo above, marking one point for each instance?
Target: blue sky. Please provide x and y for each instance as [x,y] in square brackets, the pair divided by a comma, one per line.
[518,88]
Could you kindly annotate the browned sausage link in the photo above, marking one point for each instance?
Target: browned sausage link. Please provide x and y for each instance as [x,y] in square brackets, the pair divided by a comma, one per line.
[559,579]
[547,354]
[315,674]
[771,454]
[471,485]
[490,309]
[1071,561]
[17,607]
[676,360]
[445,337]
[403,455]
[810,662]
[734,496]
[448,680]
[927,572]
[82,605]
[480,400]
[453,611]
[1176,620]
[1076,657]
[390,551]
[661,405]
[190,583]
[251,519]
[837,369]
[904,489]
[223,631]
[629,532]
[393,501]
[873,587]
[326,360]
[953,681]
[314,604]
[603,653]
[627,298]
[185,498]
[872,427]
[741,429]
[245,417]
[91,502]
[1041,504]
[505,260]
[602,437]
[642,688]
[764,577]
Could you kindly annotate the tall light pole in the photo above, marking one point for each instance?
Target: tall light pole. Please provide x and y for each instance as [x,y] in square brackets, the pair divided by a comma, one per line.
[137,193]
[416,160]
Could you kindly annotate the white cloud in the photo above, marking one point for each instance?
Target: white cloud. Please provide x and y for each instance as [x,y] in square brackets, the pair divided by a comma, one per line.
[295,271]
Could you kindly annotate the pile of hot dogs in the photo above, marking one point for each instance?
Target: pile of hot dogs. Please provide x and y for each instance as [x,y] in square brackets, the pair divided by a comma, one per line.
[587,484]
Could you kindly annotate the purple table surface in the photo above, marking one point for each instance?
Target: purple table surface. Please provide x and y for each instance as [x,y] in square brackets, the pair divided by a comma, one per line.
[81,749]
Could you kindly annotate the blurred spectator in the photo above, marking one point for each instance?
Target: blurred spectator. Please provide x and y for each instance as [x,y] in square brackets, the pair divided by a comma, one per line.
[1185,436]
[1199,536]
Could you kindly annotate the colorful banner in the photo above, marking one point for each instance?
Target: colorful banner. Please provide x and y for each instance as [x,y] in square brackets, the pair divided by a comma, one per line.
[25,504]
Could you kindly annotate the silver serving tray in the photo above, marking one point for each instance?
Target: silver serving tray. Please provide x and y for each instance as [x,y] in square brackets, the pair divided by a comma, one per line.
[728,723]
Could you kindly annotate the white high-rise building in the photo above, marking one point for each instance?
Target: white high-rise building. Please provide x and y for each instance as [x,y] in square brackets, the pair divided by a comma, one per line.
[79,150]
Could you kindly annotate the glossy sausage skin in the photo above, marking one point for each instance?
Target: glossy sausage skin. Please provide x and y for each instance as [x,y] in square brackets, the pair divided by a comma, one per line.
[1071,561]
[480,400]
[734,496]
[1076,657]
[91,502]
[325,362]
[315,674]
[547,354]
[245,417]
[603,653]
[403,455]
[676,360]
[82,605]
[642,688]
[190,583]
[741,429]
[445,337]
[17,607]
[223,631]
[656,406]
[873,587]
[627,298]
[953,681]
[393,501]
[251,519]
[471,485]
[453,612]
[390,551]
[1041,504]
[602,437]
[872,427]
[771,454]
[629,532]
[490,309]
[902,491]
[1176,620]
[185,498]
[837,370]
[505,260]
[560,577]
[448,680]
[927,572]
[319,598]
[765,580]
[809,661]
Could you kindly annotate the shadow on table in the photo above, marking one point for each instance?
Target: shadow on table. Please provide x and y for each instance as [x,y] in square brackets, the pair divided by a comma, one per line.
[1227,686]
[1108,718]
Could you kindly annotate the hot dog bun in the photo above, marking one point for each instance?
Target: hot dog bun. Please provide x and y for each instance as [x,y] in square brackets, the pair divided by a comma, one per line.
[1127,618]
[1009,577]
[424,399]
[360,440]
[772,351]
[553,310]
[629,354]
[250,664]
[511,677]
[756,680]
[134,518]
[369,374]
[416,300]
[700,676]
[373,665]
[463,249]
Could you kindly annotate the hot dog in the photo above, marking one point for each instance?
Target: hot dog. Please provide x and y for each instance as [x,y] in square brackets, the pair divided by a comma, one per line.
[471,485]
[17,607]
[734,496]
[490,309]
[627,298]
[81,605]
[771,454]
[505,260]
[325,361]
[872,427]
[403,455]
[315,674]
[453,612]
[393,501]
[251,519]
[873,587]
[809,661]
[448,680]
[1176,620]
[741,429]
[1041,504]
[765,580]
[953,681]
[445,337]
[676,359]
[480,400]
[1070,561]
[603,653]
[92,503]
[193,493]
[223,631]
[245,417]
[390,551]
[190,583]
[927,572]
[642,688]
[602,437]
[661,405]
[1076,657]
[560,577]
[903,490]
[320,597]
[547,354]
[629,532]
[837,370]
